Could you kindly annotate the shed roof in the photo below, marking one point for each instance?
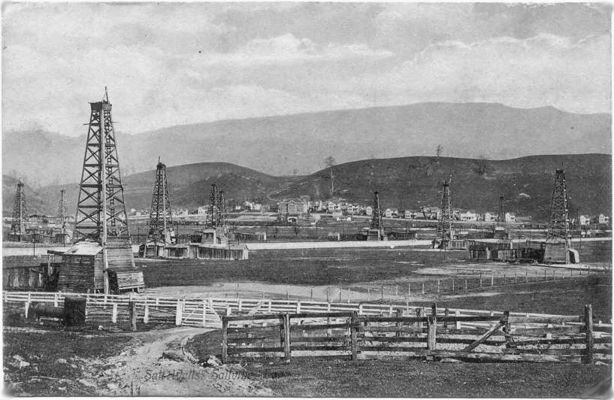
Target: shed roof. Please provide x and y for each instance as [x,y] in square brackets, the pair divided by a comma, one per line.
[84,248]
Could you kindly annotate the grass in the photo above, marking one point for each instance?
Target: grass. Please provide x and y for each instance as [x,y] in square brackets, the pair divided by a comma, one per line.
[301,267]
[47,374]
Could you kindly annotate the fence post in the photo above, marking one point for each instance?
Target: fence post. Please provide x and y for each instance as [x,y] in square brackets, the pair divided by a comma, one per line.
[419,314]
[526,276]
[506,327]
[408,290]
[398,324]
[354,336]
[146,313]
[480,279]
[55,299]
[438,285]
[360,309]
[114,314]
[515,277]
[452,285]
[422,287]
[224,339]
[132,312]
[492,279]
[240,305]
[445,321]
[178,313]
[204,313]
[588,322]
[466,286]
[382,292]
[432,329]
[298,306]
[458,323]
[287,336]
[270,305]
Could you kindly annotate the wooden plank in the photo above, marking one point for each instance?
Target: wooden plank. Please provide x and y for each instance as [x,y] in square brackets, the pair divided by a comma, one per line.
[304,347]
[238,350]
[483,337]
[320,326]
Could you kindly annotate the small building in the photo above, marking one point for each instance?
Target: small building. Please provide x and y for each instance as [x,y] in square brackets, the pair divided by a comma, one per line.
[584,220]
[468,216]
[82,268]
[510,217]
[490,217]
[369,211]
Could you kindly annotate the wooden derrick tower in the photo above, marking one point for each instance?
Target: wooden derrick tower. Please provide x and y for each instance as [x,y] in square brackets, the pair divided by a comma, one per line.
[61,215]
[160,217]
[444,227]
[221,209]
[501,214]
[18,224]
[213,215]
[101,257]
[101,213]
[557,239]
[376,229]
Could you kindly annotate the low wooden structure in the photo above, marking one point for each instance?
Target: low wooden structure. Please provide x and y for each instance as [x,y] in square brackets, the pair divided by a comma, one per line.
[83,268]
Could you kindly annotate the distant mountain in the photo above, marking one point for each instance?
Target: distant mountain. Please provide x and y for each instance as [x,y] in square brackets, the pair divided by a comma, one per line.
[409,182]
[282,144]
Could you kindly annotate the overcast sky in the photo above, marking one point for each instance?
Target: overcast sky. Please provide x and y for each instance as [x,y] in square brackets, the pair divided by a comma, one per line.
[168,64]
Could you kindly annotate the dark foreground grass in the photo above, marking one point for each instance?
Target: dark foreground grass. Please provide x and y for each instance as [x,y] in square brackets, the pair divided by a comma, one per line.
[413,378]
[54,360]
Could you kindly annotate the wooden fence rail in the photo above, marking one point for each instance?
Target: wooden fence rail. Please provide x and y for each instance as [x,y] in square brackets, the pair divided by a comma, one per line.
[436,335]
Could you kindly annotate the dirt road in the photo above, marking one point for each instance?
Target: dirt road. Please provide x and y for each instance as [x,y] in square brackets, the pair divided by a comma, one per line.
[155,363]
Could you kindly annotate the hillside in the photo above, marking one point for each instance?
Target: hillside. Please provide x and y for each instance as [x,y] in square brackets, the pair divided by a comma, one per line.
[281,144]
[408,182]
[526,183]
[189,185]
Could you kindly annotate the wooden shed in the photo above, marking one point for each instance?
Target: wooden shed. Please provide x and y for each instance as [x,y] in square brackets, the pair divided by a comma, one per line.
[83,265]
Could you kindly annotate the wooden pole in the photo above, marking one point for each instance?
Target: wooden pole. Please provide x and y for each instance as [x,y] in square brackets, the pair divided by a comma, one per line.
[492,279]
[287,353]
[445,321]
[224,339]
[354,335]
[204,313]
[398,324]
[432,329]
[178,313]
[132,311]
[458,323]
[438,285]
[146,313]
[526,276]
[114,313]
[419,314]
[408,290]
[588,323]
[422,287]
[506,327]
[452,285]
[466,286]
[480,279]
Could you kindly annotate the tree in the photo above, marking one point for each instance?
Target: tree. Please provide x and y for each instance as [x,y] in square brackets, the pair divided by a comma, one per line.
[330,163]
[439,151]
[481,165]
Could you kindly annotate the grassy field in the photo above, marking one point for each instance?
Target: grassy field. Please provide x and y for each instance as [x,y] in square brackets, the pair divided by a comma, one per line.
[307,267]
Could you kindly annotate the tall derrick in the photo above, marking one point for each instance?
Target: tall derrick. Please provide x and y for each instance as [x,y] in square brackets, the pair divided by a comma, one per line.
[101,213]
[377,227]
[160,217]
[18,225]
[221,209]
[444,227]
[501,214]
[558,247]
[213,215]
[61,215]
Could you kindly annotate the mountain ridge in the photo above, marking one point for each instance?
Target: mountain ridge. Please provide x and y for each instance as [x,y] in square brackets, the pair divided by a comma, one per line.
[280,145]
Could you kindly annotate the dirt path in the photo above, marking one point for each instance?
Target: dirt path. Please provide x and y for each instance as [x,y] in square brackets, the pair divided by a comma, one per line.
[155,364]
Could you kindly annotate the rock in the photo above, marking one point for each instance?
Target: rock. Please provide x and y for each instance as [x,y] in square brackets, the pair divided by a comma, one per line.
[87,383]
[61,361]
[23,364]
[173,355]
[213,361]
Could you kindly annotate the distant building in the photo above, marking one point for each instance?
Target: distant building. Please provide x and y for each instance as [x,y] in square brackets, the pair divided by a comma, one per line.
[468,216]
[490,217]
[584,220]
[510,217]
[202,210]
[602,219]
[292,207]
[369,211]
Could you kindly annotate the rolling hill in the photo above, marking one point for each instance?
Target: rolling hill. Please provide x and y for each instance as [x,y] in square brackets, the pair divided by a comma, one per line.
[281,144]
[407,182]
